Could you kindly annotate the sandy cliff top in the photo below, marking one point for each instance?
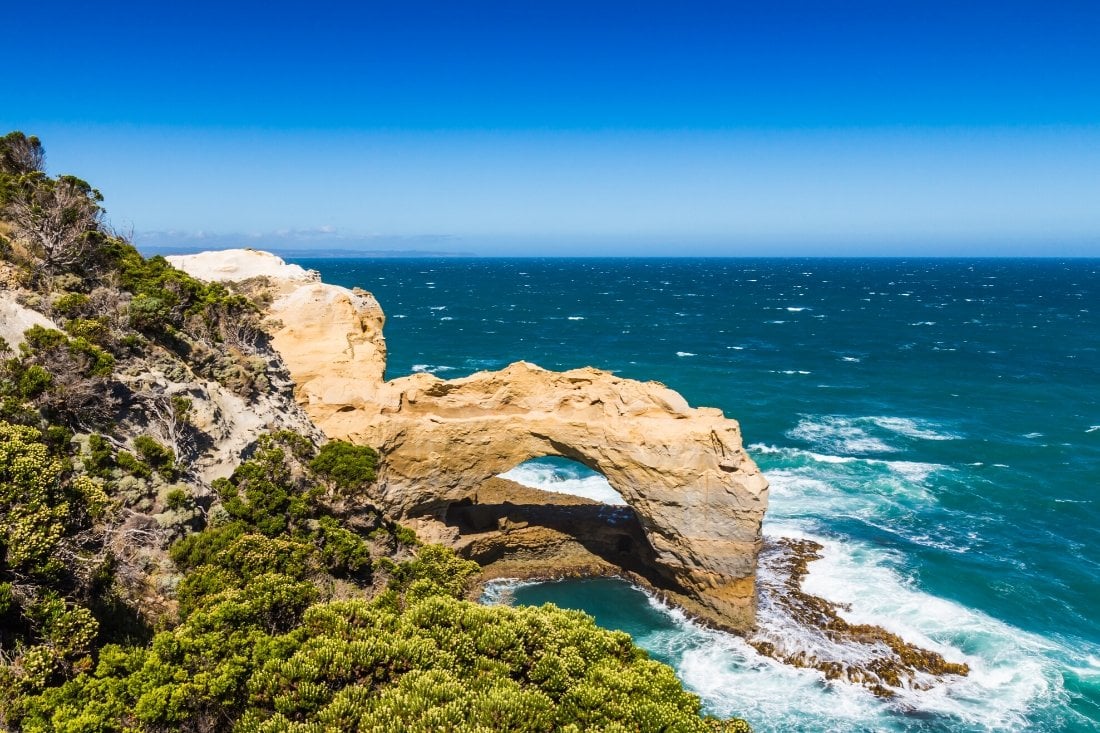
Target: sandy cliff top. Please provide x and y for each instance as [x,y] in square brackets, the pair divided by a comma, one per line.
[240,264]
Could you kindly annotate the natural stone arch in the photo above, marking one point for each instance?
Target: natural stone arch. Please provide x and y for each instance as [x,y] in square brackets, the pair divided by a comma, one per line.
[699,496]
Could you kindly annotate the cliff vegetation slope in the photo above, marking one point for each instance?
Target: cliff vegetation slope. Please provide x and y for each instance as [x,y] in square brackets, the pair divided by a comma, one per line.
[180,548]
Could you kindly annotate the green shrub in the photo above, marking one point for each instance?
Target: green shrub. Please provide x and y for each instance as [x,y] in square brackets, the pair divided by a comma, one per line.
[206,547]
[156,455]
[93,330]
[72,305]
[406,536]
[33,381]
[130,464]
[435,570]
[347,466]
[177,499]
[260,658]
[148,313]
[100,459]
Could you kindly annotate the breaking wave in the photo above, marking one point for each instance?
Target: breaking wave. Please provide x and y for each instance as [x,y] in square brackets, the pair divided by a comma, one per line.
[562,476]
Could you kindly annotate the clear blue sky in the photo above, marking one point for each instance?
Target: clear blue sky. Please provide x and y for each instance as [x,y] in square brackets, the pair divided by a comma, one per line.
[778,127]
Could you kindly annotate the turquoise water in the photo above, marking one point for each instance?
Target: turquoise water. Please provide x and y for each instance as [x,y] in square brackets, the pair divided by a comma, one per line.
[935,424]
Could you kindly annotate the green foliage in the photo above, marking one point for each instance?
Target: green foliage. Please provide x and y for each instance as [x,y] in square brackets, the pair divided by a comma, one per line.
[93,330]
[255,651]
[41,502]
[65,379]
[406,536]
[20,154]
[55,219]
[270,496]
[177,499]
[261,658]
[72,305]
[159,457]
[33,500]
[129,463]
[181,408]
[343,552]
[206,547]
[347,466]
[434,571]
[46,508]
[148,313]
[100,459]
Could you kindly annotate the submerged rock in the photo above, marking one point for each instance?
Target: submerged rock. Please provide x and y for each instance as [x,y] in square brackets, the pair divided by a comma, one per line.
[864,654]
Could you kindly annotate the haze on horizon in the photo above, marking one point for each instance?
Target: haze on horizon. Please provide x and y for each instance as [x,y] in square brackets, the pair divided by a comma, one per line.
[498,128]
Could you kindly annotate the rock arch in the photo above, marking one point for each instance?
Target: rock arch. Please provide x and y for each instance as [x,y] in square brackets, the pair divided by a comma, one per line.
[699,497]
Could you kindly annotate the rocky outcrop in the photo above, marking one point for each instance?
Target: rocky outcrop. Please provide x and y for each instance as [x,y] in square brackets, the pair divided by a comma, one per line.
[15,318]
[698,497]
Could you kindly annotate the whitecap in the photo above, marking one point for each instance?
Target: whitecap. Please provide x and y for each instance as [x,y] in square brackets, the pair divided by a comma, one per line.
[838,434]
[1093,428]
[850,358]
[1033,435]
[685,353]
[446,318]
[437,307]
[575,318]
[794,309]
[431,369]
[1011,670]
[1013,673]
[565,478]
[911,428]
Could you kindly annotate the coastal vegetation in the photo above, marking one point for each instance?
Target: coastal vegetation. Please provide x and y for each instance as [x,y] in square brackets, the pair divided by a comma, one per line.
[137,596]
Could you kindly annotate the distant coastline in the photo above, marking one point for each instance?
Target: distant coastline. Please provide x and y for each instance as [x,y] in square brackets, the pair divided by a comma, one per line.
[292,252]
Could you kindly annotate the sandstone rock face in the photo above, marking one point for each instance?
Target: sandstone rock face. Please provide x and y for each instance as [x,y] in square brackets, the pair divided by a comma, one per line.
[699,498]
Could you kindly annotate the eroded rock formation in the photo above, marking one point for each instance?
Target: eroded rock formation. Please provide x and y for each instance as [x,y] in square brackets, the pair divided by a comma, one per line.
[698,497]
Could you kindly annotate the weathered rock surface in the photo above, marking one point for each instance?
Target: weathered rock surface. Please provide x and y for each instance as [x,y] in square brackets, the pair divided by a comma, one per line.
[16,318]
[698,497]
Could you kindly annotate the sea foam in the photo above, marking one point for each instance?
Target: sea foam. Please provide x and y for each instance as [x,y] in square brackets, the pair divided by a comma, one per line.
[564,477]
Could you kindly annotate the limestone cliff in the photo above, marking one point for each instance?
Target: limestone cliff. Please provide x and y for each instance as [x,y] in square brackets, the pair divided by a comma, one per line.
[698,497]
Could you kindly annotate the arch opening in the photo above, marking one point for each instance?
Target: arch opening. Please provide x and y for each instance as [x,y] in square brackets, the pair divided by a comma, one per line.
[550,516]
[559,475]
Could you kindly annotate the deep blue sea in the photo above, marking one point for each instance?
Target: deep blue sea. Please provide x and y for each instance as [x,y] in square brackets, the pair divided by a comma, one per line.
[935,424]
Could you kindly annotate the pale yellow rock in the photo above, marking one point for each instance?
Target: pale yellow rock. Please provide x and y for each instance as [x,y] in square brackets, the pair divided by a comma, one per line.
[698,495]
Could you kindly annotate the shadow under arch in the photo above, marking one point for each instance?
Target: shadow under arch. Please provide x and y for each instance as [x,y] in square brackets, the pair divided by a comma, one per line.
[552,517]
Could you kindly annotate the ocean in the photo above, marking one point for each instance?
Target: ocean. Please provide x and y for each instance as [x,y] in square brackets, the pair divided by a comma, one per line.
[934,424]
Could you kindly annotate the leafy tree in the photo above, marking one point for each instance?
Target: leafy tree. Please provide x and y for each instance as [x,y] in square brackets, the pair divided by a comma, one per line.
[21,154]
[56,219]
[67,379]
